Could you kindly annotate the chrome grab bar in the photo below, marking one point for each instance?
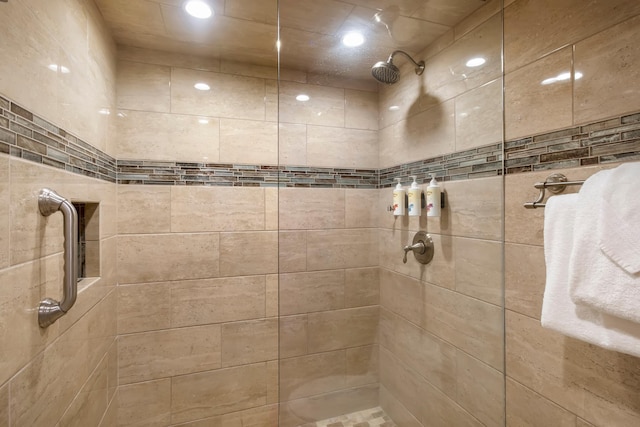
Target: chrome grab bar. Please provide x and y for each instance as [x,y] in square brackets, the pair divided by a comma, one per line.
[49,309]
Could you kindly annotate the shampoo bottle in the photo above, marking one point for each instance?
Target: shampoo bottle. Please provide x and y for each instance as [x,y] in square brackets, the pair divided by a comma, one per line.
[398,199]
[415,199]
[433,197]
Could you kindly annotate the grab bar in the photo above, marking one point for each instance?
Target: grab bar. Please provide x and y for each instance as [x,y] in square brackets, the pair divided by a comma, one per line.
[49,309]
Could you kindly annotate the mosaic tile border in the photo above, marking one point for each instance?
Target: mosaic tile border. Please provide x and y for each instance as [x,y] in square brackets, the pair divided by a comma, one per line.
[25,135]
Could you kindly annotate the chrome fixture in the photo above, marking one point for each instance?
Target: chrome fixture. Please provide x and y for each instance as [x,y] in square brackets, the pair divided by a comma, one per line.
[387,72]
[50,310]
[555,183]
[422,248]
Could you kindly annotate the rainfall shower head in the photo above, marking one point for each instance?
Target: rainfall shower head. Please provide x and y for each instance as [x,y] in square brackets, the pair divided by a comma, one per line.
[387,72]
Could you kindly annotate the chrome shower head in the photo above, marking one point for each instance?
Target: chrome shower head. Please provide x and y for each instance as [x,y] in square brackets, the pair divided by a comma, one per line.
[388,73]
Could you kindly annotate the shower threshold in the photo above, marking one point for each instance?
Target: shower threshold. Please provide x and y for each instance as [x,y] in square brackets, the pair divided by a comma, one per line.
[374,417]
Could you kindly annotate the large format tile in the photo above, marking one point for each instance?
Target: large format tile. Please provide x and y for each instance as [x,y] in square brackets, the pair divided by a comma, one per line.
[144,307]
[5,225]
[247,253]
[326,105]
[313,374]
[143,87]
[248,142]
[480,390]
[144,404]
[336,147]
[144,209]
[311,291]
[302,208]
[152,258]
[527,408]
[249,342]
[333,330]
[90,403]
[597,95]
[347,248]
[479,116]
[217,392]
[478,269]
[160,354]
[524,279]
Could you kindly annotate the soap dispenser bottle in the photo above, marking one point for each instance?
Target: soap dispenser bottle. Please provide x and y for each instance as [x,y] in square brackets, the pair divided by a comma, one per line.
[433,197]
[415,198]
[398,199]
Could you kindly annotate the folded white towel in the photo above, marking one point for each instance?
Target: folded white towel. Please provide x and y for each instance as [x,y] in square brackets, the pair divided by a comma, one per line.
[595,279]
[619,235]
[559,312]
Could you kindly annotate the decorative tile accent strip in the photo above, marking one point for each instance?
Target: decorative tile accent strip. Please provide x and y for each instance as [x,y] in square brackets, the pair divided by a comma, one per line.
[25,135]
[476,163]
[181,173]
[609,141]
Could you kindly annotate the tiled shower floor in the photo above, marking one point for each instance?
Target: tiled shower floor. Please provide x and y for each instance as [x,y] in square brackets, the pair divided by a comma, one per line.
[374,417]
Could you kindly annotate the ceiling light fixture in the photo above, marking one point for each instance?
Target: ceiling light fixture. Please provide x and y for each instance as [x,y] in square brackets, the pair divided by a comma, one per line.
[353,39]
[61,68]
[394,108]
[202,86]
[476,62]
[302,97]
[198,9]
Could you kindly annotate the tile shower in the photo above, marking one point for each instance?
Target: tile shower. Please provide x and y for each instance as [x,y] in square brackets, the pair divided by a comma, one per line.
[224,299]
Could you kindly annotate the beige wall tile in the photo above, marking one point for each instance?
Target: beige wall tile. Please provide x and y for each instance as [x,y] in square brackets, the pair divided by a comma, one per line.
[293,336]
[160,354]
[292,144]
[527,408]
[262,416]
[311,375]
[532,107]
[361,109]
[271,98]
[479,269]
[20,292]
[598,58]
[401,295]
[91,402]
[144,307]
[169,59]
[112,370]
[248,142]
[144,209]
[311,291]
[326,105]
[333,330]
[110,418]
[249,342]
[143,404]
[447,75]
[216,392]
[195,209]
[271,211]
[4,405]
[424,353]
[331,249]
[183,256]
[292,247]
[234,298]
[362,365]
[341,147]
[477,17]
[524,20]
[143,87]
[480,390]
[361,287]
[248,253]
[5,197]
[167,137]
[273,386]
[230,95]
[524,279]
[537,358]
[395,410]
[470,324]
[360,208]
[272,295]
[419,136]
[321,407]
[479,116]
[302,208]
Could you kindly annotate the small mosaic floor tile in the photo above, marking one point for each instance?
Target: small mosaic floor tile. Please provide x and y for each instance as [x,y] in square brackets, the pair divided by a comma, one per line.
[374,417]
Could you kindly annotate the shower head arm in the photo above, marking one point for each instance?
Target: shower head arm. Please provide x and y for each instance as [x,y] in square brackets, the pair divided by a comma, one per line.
[419,65]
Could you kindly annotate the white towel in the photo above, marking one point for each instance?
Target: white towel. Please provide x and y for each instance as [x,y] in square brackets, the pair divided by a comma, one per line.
[559,312]
[595,279]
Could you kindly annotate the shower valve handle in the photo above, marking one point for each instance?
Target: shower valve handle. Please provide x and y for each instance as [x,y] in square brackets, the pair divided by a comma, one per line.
[419,247]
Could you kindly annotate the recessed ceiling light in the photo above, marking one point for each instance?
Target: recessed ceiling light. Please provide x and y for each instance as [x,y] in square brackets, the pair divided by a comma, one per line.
[198,9]
[202,86]
[394,108]
[353,39]
[302,97]
[61,68]
[476,62]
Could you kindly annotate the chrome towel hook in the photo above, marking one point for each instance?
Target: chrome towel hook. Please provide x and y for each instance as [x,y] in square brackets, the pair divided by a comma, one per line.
[50,310]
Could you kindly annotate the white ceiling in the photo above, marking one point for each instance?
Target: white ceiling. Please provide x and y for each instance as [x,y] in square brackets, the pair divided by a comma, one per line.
[310,30]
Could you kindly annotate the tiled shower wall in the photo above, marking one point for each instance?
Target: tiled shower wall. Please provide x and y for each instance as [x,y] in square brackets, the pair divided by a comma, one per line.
[441,326]
[552,379]
[66,374]
[198,264]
